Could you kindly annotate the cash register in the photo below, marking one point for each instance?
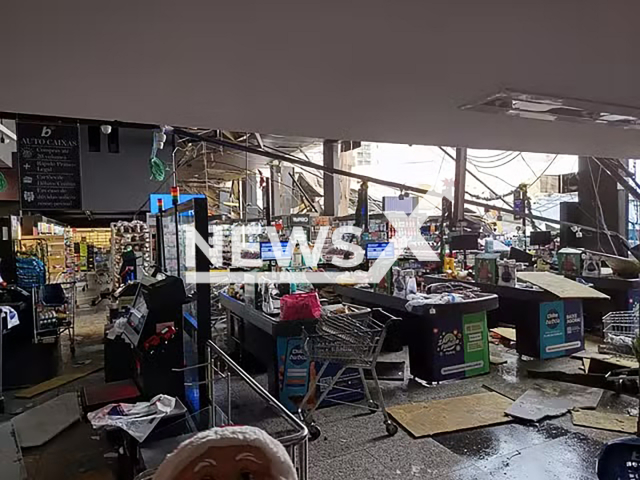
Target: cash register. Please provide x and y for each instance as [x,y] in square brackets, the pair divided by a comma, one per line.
[150,348]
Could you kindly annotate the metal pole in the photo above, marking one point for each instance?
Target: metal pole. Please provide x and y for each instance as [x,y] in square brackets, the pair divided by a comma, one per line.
[330,153]
[175,206]
[478,179]
[459,185]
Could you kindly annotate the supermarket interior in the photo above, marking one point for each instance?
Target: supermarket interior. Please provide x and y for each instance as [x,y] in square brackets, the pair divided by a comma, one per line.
[304,243]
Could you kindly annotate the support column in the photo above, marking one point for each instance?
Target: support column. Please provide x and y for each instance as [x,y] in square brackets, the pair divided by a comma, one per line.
[460,184]
[599,205]
[286,198]
[250,196]
[274,173]
[331,183]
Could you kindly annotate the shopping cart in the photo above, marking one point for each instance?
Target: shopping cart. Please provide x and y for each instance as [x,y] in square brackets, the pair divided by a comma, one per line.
[620,329]
[353,342]
[54,312]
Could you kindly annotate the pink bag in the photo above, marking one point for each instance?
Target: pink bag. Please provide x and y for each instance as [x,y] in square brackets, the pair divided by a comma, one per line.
[300,306]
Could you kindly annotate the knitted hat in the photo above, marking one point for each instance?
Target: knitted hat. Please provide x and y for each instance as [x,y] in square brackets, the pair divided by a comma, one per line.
[281,466]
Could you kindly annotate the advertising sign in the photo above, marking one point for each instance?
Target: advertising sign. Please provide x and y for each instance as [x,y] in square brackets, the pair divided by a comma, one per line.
[561,328]
[49,159]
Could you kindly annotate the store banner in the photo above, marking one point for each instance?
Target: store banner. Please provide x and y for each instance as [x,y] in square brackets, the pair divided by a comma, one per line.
[460,346]
[49,160]
[296,371]
[561,328]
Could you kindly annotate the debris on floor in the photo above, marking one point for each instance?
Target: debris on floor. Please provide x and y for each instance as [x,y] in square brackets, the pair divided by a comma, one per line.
[37,426]
[553,399]
[605,421]
[496,359]
[505,332]
[11,462]
[388,371]
[452,414]
[57,382]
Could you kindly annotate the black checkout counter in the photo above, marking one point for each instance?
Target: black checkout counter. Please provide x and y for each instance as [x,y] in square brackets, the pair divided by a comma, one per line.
[275,345]
[624,294]
[446,341]
[546,326]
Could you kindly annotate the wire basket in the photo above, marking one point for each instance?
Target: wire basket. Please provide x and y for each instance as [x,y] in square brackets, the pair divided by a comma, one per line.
[620,327]
[348,340]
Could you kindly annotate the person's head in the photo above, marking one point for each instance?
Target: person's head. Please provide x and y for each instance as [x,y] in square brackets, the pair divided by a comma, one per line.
[230,453]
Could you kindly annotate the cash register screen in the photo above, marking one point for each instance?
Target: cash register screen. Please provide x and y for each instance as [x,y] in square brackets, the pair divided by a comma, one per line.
[138,313]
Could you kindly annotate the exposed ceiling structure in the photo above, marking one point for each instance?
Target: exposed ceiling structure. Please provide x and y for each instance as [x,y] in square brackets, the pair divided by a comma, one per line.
[206,168]
[362,70]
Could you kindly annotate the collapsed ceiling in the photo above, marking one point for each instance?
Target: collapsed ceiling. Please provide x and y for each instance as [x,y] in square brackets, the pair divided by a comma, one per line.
[358,70]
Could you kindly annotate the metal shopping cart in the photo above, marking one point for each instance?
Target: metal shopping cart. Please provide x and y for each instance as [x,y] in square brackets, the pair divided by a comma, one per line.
[54,312]
[354,343]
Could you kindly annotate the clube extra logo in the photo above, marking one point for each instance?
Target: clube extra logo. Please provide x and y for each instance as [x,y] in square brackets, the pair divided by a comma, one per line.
[408,236]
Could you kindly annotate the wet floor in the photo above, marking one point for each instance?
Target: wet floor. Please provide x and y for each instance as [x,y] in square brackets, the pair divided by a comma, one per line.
[517,451]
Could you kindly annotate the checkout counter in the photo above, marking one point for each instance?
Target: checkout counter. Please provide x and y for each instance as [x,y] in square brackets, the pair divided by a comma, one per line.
[276,345]
[548,324]
[446,341]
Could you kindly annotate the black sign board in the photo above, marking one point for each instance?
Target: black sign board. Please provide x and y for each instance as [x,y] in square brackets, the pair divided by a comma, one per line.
[49,159]
[300,219]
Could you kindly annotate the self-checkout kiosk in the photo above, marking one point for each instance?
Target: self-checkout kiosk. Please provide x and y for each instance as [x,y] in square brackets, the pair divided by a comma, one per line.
[150,348]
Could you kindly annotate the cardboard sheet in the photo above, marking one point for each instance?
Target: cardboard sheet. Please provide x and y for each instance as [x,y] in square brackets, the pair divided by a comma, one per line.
[605,421]
[506,332]
[452,414]
[56,382]
[560,286]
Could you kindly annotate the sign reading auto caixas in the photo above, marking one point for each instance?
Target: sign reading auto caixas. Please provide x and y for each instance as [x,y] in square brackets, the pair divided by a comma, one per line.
[49,160]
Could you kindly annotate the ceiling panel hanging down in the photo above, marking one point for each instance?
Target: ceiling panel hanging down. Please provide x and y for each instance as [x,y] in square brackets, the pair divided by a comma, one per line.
[366,70]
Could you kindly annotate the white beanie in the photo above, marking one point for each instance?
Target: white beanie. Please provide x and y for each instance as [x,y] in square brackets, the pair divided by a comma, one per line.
[281,466]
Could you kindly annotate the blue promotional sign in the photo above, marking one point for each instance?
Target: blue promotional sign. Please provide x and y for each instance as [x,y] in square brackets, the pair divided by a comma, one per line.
[295,373]
[166,200]
[561,328]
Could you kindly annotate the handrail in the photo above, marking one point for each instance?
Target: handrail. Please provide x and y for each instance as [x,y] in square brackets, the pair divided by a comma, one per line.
[287,441]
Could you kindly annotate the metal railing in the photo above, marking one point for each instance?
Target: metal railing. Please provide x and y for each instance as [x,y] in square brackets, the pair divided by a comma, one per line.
[221,368]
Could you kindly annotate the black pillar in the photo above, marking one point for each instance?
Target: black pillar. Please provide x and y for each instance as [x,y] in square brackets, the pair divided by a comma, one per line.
[331,183]
[459,184]
[599,205]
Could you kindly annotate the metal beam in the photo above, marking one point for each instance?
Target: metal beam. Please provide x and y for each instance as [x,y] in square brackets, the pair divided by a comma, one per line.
[297,161]
[538,217]
[8,133]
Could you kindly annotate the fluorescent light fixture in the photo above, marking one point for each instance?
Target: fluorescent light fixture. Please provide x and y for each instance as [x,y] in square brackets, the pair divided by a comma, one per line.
[549,108]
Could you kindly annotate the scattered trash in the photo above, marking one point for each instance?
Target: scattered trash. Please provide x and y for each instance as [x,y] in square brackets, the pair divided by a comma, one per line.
[81,363]
[110,455]
[136,419]
[95,437]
